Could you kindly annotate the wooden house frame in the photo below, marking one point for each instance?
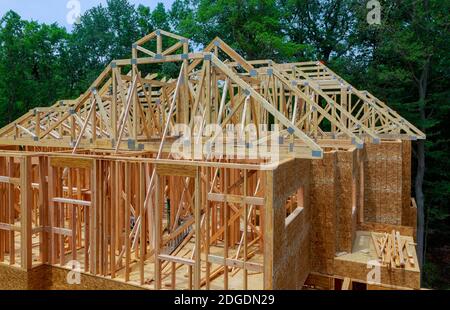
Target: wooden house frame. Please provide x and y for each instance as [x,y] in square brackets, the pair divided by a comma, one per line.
[93,180]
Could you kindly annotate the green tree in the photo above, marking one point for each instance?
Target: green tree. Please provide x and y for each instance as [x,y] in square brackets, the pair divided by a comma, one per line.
[183,16]
[31,71]
[252,27]
[324,26]
[150,20]
[104,34]
[408,67]
[12,68]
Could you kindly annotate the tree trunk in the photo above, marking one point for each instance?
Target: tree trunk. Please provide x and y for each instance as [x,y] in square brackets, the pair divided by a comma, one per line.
[418,184]
[420,201]
[326,54]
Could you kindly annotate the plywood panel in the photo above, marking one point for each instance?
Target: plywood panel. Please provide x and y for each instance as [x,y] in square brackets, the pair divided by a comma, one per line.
[323,217]
[291,253]
[383,182]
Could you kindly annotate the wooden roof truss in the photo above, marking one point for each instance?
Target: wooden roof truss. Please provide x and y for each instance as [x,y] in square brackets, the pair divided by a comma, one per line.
[126,109]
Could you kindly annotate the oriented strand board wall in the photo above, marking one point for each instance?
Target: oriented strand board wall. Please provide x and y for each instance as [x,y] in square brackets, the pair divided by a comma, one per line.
[394,276]
[323,197]
[13,278]
[383,182]
[406,174]
[347,173]
[87,282]
[287,248]
[333,180]
[387,228]
[409,213]
[46,277]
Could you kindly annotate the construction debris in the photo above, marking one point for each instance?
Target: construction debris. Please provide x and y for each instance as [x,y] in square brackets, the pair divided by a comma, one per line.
[393,250]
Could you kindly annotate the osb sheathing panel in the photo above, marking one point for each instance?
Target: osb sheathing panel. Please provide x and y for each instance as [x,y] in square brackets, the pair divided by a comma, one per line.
[384,287]
[319,281]
[383,182]
[359,271]
[387,228]
[323,197]
[87,282]
[46,277]
[12,278]
[409,215]
[358,166]
[291,255]
[406,173]
[346,161]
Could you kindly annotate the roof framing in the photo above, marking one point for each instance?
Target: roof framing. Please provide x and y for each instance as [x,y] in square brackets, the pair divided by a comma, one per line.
[124,111]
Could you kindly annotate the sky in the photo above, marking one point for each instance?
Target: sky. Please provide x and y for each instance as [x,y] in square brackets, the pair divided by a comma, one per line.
[60,11]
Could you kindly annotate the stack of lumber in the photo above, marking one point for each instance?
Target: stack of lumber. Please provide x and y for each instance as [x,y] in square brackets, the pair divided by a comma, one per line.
[392,250]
